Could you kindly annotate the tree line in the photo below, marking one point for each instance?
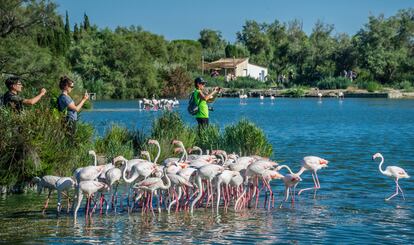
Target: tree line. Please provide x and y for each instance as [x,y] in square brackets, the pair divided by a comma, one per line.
[39,45]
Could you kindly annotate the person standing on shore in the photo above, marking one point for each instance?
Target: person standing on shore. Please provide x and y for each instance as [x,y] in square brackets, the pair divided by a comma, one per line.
[68,106]
[201,100]
[12,98]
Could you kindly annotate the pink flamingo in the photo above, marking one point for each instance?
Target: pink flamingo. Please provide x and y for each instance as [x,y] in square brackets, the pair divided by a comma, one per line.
[290,180]
[89,187]
[313,164]
[64,184]
[153,184]
[393,172]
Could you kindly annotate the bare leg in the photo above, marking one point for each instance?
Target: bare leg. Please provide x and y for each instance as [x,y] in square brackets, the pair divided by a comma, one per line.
[311,188]
[396,191]
[401,190]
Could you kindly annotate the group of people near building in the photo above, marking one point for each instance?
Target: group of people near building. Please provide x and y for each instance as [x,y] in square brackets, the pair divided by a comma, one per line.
[65,104]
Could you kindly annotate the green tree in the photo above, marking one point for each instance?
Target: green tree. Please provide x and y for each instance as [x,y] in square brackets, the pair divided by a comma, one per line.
[212,43]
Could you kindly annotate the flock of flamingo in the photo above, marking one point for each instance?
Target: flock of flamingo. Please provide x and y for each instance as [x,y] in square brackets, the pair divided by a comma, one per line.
[155,105]
[183,184]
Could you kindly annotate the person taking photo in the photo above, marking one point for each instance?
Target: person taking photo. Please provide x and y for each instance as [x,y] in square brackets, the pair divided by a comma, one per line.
[201,100]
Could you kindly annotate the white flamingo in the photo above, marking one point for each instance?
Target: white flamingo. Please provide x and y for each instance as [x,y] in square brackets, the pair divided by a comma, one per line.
[89,187]
[64,184]
[393,172]
[313,164]
[46,182]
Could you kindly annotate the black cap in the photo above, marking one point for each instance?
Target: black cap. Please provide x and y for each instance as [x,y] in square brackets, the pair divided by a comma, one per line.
[200,80]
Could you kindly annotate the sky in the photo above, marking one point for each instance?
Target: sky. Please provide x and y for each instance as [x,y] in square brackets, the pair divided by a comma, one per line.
[184,19]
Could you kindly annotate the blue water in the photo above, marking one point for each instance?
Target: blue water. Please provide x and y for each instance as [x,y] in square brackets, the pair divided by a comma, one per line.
[349,207]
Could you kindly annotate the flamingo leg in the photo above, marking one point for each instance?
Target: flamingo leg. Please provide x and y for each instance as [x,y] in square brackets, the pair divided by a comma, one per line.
[47,202]
[311,188]
[286,196]
[396,191]
[400,190]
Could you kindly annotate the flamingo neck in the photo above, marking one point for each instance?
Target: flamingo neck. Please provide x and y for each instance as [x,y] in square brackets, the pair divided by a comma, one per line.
[158,154]
[380,165]
[95,160]
[287,167]
[302,169]
[184,156]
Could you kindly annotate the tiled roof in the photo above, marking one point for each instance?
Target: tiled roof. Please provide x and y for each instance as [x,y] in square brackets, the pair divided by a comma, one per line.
[225,63]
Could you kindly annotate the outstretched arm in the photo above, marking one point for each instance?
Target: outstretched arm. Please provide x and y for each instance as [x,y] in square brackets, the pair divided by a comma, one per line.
[78,107]
[35,99]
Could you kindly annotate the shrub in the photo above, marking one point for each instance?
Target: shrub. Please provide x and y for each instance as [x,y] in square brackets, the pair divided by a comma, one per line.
[370,86]
[246,138]
[334,83]
[117,141]
[296,91]
[34,145]
[209,138]
[406,86]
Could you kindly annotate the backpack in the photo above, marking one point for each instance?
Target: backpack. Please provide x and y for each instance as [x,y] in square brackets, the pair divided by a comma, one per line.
[192,105]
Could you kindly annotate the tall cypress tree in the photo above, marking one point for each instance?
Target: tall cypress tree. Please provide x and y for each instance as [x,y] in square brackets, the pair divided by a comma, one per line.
[86,24]
[67,30]
[76,34]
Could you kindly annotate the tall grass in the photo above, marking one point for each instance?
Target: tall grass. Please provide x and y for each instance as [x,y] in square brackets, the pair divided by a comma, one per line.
[334,83]
[246,139]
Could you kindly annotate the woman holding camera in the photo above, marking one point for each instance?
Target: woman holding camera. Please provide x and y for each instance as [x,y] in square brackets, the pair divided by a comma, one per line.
[201,99]
[67,105]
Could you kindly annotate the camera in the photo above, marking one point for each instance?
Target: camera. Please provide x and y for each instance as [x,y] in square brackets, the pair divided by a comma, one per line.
[210,108]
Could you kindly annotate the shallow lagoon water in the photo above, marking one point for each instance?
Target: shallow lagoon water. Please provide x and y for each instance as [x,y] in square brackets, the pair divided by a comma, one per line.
[349,207]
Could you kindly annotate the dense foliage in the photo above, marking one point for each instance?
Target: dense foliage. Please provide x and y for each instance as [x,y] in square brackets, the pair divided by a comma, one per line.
[39,45]
[34,145]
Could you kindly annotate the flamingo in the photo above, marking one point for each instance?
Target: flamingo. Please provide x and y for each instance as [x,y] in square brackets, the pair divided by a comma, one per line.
[340,95]
[225,177]
[179,182]
[290,180]
[63,184]
[89,187]
[393,172]
[313,164]
[48,182]
[153,184]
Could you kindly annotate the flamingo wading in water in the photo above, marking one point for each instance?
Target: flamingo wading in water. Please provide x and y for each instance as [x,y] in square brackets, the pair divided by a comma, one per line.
[393,172]
[313,164]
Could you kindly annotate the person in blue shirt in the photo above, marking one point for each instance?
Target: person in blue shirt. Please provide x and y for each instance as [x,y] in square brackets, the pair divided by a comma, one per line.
[68,106]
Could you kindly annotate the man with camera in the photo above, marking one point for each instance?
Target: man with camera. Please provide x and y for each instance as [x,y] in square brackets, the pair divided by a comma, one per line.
[202,99]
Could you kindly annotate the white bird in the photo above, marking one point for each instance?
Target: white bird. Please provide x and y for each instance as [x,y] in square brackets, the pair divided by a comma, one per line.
[88,187]
[393,172]
[313,164]
[46,182]
[63,184]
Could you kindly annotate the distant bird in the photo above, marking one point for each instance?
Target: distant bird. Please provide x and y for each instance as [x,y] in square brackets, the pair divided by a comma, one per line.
[340,95]
[140,105]
[313,164]
[393,172]
[261,97]
[46,182]
[272,98]
[319,95]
